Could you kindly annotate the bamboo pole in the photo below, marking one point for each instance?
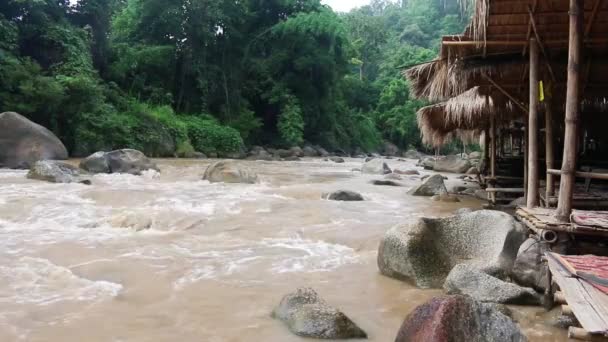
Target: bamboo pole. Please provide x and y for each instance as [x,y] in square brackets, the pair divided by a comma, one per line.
[533,181]
[549,148]
[526,171]
[493,155]
[566,189]
[486,151]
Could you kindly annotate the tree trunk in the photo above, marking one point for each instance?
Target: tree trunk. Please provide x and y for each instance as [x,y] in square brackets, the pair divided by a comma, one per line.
[533,181]
[566,189]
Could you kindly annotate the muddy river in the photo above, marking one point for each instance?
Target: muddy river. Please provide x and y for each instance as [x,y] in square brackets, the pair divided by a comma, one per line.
[171,257]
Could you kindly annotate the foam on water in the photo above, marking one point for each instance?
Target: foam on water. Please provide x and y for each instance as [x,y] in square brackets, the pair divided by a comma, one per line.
[39,281]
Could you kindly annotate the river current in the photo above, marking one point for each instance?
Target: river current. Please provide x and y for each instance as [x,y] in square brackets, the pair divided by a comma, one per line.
[170,257]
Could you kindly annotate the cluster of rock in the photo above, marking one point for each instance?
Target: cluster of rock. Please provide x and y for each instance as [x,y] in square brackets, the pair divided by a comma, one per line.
[120,161]
[477,257]
[292,154]
[459,163]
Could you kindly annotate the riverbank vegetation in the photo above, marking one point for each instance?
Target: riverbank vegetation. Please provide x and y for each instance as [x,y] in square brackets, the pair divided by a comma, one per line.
[170,77]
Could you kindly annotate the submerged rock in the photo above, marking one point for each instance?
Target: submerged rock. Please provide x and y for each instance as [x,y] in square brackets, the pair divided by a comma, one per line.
[338,160]
[445,197]
[307,315]
[431,186]
[393,176]
[23,142]
[120,161]
[343,195]
[424,252]
[458,319]
[227,171]
[454,164]
[385,183]
[376,167]
[56,172]
[407,172]
[468,280]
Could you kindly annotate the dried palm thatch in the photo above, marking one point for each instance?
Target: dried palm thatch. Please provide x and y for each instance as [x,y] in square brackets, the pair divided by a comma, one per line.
[463,117]
[443,78]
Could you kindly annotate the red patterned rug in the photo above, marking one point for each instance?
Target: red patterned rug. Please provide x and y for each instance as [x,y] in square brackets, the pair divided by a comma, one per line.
[591,268]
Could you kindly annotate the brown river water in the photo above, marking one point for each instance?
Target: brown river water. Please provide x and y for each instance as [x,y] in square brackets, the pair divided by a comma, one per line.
[174,258]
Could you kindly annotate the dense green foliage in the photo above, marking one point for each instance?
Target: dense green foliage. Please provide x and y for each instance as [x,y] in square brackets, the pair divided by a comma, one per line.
[167,76]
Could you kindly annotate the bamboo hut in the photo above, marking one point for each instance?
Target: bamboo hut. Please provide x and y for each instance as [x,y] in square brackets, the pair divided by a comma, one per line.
[548,61]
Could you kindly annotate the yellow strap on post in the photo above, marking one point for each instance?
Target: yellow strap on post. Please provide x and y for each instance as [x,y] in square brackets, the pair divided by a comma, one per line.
[541,91]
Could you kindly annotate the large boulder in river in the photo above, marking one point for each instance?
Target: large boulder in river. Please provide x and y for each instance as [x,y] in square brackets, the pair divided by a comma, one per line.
[431,186]
[413,154]
[307,315]
[23,143]
[227,171]
[468,280]
[119,161]
[454,164]
[56,172]
[425,251]
[458,319]
[529,269]
[376,167]
[343,195]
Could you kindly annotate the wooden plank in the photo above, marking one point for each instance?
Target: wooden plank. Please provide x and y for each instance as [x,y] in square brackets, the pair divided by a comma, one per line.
[507,190]
[577,298]
[591,175]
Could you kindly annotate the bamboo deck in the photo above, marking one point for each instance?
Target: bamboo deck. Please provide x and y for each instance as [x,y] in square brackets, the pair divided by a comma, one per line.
[544,219]
[587,303]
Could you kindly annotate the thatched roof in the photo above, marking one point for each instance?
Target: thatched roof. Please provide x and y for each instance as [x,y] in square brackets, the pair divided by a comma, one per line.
[490,61]
[495,46]
[463,116]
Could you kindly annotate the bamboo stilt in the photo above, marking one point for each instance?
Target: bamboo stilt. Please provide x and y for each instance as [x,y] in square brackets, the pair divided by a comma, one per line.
[533,182]
[549,148]
[493,154]
[566,189]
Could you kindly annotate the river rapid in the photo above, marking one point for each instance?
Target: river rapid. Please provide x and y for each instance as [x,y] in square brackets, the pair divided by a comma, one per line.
[171,257]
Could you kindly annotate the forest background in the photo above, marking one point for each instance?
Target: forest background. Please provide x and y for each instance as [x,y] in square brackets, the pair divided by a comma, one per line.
[169,77]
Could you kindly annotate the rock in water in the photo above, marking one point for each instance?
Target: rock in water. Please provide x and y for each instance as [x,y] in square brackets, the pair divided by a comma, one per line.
[475,155]
[407,172]
[468,280]
[454,164]
[376,167]
[385,183]
[424,252]
[390,149]
[528,269]
[428,163]
[338,160]
[307,315]
[56,172]
[412,154]
[120,161]
[23,143]
[343,195]
[227,171]
[431,186]
[458,319]
[309,151]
